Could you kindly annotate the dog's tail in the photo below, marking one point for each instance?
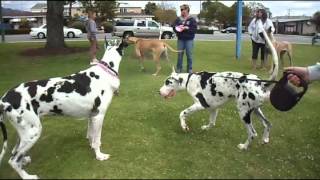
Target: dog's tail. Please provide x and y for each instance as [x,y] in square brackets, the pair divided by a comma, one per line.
[171,48]
[290,54]
[275,68]
[4,132]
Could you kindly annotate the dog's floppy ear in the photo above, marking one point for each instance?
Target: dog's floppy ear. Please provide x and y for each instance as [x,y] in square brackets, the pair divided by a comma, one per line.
[106,44]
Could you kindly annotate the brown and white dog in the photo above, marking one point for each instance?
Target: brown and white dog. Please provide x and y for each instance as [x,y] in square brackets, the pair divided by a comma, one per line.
[156,46]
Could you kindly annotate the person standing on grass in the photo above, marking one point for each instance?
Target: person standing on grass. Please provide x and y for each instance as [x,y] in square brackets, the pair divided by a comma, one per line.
[92,31]
[185,27]
[308,74]
[258,41]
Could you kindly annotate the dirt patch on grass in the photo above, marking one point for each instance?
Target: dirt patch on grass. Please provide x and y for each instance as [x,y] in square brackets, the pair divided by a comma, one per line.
[31,52]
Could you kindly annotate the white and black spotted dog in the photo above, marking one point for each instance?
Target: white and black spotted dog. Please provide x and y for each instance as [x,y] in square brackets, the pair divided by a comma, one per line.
[211,90]
[86,94]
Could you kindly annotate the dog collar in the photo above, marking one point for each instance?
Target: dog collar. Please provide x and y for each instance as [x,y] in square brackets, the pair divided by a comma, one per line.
[105,66]
[189,76]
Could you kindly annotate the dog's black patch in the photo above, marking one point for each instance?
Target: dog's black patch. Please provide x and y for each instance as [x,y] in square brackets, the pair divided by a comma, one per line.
[251,96]
[96,104]
[28,106]
[213,89]
[244,95]
[32,86]
[220,94]
[35,105]
[14,98]
[21,112]
[203,102]
[247,118]
[180,80]
[102,92]
[48,96]
[9,109]
[81,84]
[19,119]
[237,86]
[92,74]
[111,64]
[66,87]
[243,79]
[56,110]
[204,78]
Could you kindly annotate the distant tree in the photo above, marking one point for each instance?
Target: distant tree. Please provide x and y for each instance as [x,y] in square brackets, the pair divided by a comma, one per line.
[316,20]
[232,15]
[254,6]
[215,11]
[55,36]
[70,3]
[105,9]
[165,13]
[150,8]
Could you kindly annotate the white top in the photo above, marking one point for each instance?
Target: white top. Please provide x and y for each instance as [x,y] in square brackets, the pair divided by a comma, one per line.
[255,27]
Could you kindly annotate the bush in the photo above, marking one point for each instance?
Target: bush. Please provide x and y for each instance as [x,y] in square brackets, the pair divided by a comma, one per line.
[204,31]
[18,31]
[108,27]
[79,25]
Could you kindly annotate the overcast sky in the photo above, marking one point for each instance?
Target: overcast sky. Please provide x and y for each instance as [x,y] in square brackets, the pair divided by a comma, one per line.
[278,8]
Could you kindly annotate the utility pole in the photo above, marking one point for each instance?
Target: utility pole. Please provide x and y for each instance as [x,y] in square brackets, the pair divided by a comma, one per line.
[1,23]
[239,28]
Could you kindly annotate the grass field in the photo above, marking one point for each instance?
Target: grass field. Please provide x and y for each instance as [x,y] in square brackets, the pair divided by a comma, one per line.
[142,132]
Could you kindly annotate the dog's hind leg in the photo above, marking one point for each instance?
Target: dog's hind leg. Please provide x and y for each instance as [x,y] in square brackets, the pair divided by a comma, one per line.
[183,115]
[29,129]
[212,119]
[266,124]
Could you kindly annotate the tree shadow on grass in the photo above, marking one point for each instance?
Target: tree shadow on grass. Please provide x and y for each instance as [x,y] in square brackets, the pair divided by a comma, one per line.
[32,52]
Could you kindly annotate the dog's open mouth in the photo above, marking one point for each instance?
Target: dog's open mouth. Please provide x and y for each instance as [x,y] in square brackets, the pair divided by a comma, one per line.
[170,94]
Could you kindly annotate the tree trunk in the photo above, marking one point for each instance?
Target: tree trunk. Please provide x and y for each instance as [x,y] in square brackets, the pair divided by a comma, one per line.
[55,37]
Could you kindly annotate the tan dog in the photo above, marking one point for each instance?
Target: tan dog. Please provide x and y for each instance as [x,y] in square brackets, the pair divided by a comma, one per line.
[155,45]
[281,47]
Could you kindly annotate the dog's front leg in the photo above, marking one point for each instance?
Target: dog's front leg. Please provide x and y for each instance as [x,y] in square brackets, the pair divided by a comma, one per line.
[97,122]
[212,119]
[183,115]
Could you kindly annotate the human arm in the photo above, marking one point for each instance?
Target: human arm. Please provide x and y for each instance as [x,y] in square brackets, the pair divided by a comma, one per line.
[308,74]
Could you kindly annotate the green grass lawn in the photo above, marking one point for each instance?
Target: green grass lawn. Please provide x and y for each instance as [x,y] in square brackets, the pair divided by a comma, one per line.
[142,131]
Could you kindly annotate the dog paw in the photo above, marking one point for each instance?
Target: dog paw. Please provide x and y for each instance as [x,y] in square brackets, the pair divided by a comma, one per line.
[242,147]
[30,177]
[205,127]
[26,160]
[265,140]
[185,128]
[102,156]
[155,74]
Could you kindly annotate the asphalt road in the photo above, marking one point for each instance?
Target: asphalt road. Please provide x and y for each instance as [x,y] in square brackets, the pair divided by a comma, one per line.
[217,36]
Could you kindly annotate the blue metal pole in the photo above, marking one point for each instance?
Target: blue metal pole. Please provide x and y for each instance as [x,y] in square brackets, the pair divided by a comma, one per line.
[239,28]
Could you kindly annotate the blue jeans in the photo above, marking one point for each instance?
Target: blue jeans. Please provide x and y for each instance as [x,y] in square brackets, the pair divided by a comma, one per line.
[188,46]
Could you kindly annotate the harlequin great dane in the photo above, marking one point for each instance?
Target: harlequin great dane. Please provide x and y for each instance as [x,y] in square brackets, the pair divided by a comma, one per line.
[87,94]
[211,90]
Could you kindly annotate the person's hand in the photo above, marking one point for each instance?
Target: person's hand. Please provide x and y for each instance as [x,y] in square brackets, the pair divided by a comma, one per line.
[294,71]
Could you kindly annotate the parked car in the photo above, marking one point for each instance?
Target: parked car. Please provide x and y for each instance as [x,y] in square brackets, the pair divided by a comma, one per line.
[41,32]
[141,28]
[231,30]
[214,28]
